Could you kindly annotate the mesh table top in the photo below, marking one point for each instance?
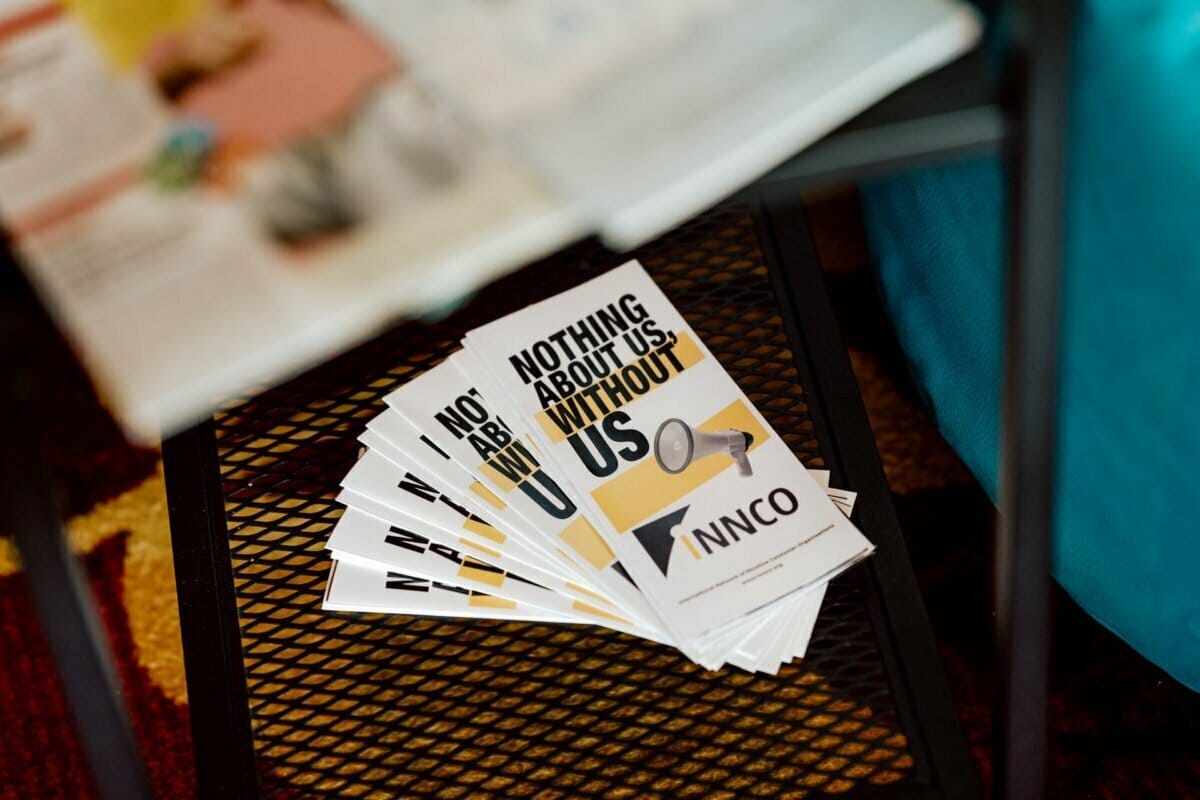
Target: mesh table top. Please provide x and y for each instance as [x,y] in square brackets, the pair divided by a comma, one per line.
[371,705]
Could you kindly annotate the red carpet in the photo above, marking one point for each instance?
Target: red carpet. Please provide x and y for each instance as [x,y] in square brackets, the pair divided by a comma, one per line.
[40,755]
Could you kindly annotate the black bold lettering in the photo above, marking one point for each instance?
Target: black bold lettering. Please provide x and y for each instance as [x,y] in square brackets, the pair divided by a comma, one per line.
[634,311]
[406,583]
[775,504]
[636,445]
[654,334]
[568,415]
[602,462]
[448,553]
[524,364]
[637,342]
[407,540]
[453,421]
[414,485]
[470,408]
[611,319]
[742,523]
[545,394]
[550,497]
[703,536]
[755,513]
[562,383]
[497,433]
[515,462]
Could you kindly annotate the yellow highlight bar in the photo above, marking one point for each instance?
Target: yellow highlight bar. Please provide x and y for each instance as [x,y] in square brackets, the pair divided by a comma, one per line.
[515,449]
[584,590]
[484,530]
[582,538]
[566,556]
[490,601]
[686,351]
[500,480]
[645,488]
[586,608]
[479,546]
[482,575]
[488,496]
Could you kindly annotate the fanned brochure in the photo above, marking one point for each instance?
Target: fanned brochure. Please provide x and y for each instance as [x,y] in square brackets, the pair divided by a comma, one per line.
[356,587]
[587,460]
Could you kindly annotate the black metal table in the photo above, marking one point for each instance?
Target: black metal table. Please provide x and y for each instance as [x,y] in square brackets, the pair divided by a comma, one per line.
[290,700]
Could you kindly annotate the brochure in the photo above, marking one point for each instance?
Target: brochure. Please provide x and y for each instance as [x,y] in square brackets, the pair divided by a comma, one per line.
[354,587]
[415,496]
[390,434]
[589,457]
[458,418]
[758,647]
[706,507]
[366,539]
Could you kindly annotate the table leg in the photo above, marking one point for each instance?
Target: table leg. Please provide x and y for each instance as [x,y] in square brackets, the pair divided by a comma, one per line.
[60,592]
[1030,403]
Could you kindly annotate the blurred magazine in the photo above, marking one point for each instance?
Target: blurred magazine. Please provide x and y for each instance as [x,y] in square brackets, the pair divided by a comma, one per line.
[211,195]
[228,192]
[648,113]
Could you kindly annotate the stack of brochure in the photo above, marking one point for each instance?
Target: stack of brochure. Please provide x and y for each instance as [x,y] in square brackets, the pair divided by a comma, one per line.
[587,460]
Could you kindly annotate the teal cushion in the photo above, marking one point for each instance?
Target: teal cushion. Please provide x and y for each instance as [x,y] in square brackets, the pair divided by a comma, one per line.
[1127,537]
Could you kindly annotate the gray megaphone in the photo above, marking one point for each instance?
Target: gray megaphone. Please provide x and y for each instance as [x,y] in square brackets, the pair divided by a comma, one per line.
[677,444]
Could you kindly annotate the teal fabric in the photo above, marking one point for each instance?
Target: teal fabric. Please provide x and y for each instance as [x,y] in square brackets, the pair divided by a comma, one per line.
[1127,537]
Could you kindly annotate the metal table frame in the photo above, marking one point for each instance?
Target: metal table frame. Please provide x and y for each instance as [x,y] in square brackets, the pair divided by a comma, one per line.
[211,631]
[950,114]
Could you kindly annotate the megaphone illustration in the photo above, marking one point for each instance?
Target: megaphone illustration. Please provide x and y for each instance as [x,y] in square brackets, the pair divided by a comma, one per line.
[677,445]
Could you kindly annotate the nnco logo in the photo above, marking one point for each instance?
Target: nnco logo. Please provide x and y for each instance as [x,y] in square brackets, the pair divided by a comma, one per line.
[658,536]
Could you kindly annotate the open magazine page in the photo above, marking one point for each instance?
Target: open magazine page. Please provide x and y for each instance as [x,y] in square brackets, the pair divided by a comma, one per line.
[649,113]
[227,191]
[709,511]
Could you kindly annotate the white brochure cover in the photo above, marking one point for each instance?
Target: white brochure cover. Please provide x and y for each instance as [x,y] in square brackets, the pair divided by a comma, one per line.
[378,504]
[764,641]
[443,404]
[359,536]
[665,449]
[402,488]
[354,587]
[392,435]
